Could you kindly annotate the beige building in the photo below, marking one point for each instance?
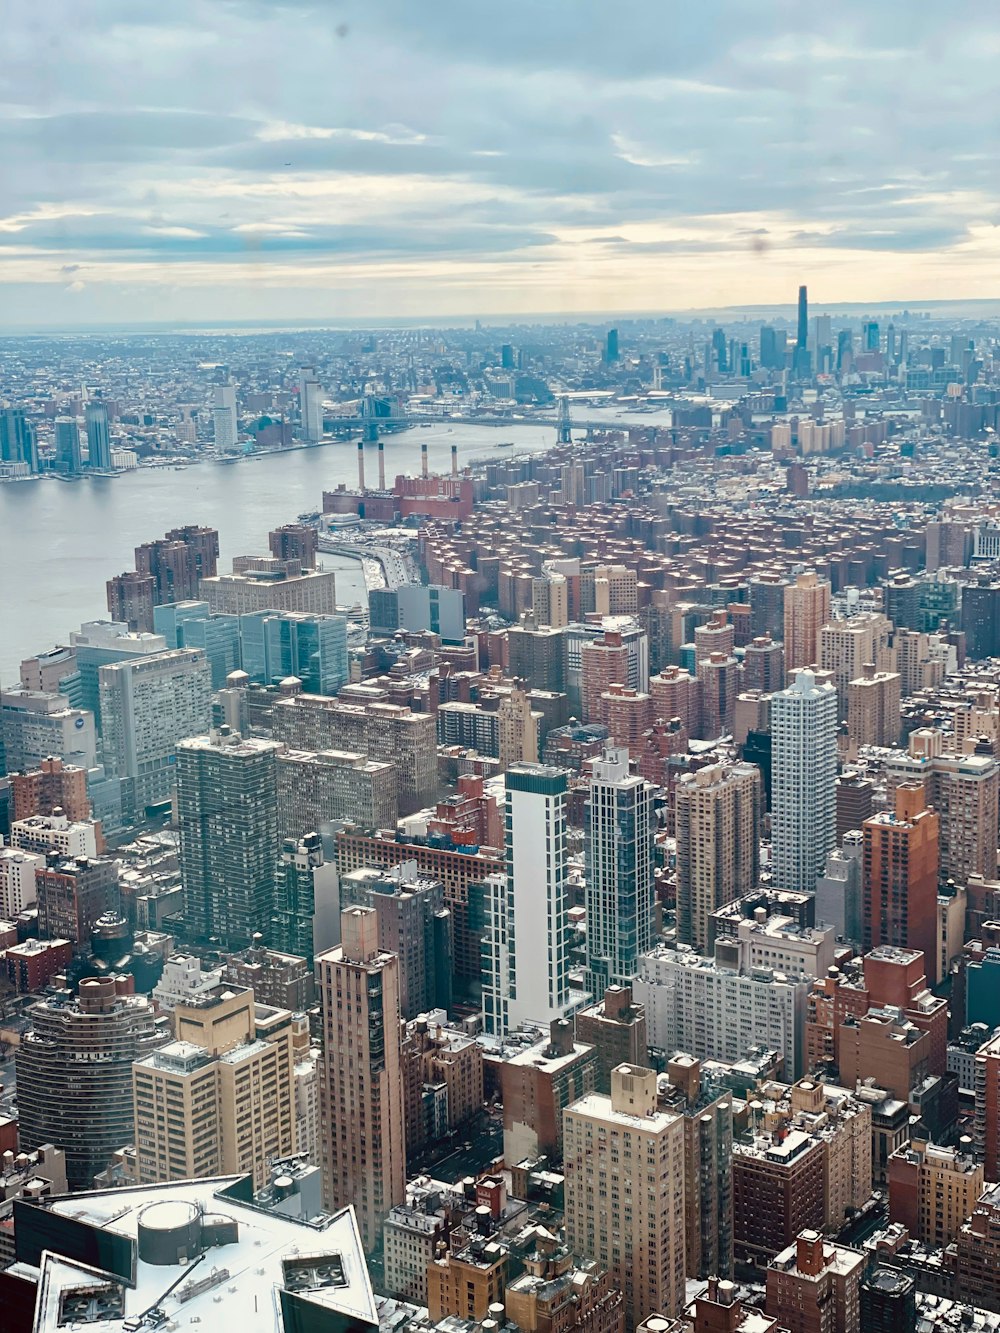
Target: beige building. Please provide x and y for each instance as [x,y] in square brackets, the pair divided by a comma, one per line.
[220,1099]
[873,707]
[268,589]
[624,1168]
[933,1190]
[807,609]
[550,599]
[517,728]
[362,1147]
[846,645]
[718,835]
[964,790]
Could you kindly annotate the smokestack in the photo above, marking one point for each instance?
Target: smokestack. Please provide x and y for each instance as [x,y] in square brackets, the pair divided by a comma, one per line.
[423,460]
[454,460]
[381,466]
[361,465]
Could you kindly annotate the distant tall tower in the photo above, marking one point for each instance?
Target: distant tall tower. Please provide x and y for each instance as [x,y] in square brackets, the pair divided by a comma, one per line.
[619,859]
[899,905]
[611,347]
[224,416]
[363,1148]
[718,842]
[803,781]
[802,337]
[807,609]
[69,458]
[98,437]
[310,406]
[17,439]
[526,972]
[227,815]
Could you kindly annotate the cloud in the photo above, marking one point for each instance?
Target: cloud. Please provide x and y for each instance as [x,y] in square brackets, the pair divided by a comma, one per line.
[440,156]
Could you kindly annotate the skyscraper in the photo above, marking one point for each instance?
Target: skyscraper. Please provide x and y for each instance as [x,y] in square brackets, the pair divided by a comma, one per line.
[98,436]
[276,644]
[69,458]
[228,1050]
[526,949]
[806,611]
[224,421]
[612,1146]
[362,1142]
[74,1074]
[803,777]
[226,813]
[900,881]
[619,872]
[611,347]
[802,335]
[148,704]
[718,836]
[310,405]
[17,439]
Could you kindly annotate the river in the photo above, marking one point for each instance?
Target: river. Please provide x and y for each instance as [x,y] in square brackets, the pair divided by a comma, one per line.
[60,542]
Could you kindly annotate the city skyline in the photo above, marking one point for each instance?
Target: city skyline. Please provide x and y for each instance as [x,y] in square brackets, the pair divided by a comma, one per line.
[431,165]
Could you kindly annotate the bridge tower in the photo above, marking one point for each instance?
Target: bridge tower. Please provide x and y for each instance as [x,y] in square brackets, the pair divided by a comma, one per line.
[564,433]
[369,430]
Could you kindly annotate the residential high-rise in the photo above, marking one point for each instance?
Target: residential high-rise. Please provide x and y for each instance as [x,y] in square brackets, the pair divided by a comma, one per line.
[806,611]
[225,429]
[620,822]
[307,899]
[72,892]
[616,1029]
[213,1078]
[148,704]
[847,646]
[74,1074]
[718,812]
[611,1146]
[50,787]
[900,878]
[802,332]
[977,1261]
[803,777]
[413,924]
[17,439]
[69,455]
[932,1188]
[227,816]
[389,733]
[317,789]
[764,665]
[131,599]
[271,585]
[98,436]
[526,949]
[294,541]
[873,707]
[362,1139]
[814,1286]
[17,881]
[179,561]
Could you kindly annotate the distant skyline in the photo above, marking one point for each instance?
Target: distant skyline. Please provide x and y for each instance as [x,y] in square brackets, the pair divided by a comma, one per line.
[245,160]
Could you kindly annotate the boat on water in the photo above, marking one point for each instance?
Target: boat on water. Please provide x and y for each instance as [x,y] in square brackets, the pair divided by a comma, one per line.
[506,444]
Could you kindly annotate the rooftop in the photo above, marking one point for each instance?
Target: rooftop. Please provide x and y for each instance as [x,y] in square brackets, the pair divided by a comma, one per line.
[252,1261]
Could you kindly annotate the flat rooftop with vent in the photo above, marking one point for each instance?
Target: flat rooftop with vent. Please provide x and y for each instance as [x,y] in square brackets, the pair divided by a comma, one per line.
[208,1252]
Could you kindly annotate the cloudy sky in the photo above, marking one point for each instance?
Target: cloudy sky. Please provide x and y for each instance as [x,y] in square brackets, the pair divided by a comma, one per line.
[361,159]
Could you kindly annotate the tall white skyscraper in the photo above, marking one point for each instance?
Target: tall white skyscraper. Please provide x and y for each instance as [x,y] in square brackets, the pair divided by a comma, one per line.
[526,962]
[224,416]
[310,405]
[619,872]
[803,778]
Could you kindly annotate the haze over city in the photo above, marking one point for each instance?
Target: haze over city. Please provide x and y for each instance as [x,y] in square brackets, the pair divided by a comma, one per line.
[250,161]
